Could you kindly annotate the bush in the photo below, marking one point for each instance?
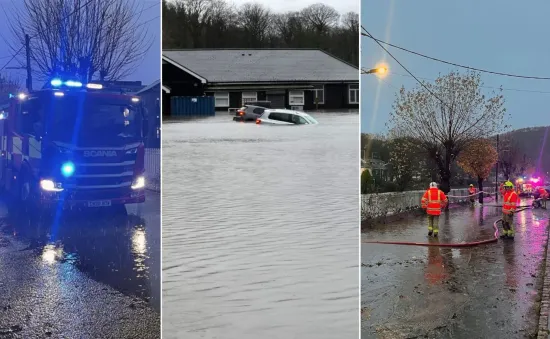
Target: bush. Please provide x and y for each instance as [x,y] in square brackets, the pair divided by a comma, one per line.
[366,182]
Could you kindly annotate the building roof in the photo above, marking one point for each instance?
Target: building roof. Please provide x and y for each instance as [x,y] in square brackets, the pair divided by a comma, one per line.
[146,88]
[262,65]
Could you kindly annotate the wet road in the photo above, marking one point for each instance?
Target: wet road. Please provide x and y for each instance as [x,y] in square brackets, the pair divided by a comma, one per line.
[260,229]
[490,291]
[89,275]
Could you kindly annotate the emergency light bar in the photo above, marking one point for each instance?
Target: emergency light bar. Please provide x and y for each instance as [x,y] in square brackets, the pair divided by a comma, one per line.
[73,83]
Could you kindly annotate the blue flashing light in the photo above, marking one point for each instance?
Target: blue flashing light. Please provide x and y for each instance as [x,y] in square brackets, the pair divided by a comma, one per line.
[56,82]
[67,169]
[72,83]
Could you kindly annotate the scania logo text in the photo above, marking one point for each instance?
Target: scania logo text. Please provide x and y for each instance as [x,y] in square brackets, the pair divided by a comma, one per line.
[100,153]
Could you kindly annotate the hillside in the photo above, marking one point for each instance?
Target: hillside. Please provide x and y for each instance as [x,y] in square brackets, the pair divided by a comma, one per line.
[534,143]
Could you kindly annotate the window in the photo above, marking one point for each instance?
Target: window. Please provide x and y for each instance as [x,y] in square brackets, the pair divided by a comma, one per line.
[319,93]
[296,98]
[29,121]
[280,117]
[249,97]
[354,94]
[221,99]
[258,110]
[298,120]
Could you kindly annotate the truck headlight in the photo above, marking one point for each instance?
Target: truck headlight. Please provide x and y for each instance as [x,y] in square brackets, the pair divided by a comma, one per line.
[50,186]
[138,183]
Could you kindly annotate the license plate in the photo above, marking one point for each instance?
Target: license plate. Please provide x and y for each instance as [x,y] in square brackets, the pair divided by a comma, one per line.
[99,203]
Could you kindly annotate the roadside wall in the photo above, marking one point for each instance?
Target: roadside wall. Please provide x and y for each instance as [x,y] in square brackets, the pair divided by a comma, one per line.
[374,206]
[152,169]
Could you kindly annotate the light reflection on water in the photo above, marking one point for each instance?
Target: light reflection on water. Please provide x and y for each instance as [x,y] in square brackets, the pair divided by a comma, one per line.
[260,229]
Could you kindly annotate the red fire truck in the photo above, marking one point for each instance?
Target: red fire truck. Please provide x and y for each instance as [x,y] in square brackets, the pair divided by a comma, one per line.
[73,144]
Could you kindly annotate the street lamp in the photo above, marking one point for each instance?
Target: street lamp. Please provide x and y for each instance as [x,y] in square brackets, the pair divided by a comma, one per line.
[378,70]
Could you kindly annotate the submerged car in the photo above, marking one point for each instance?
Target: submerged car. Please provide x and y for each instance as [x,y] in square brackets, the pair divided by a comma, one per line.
[251,111]
[285,117]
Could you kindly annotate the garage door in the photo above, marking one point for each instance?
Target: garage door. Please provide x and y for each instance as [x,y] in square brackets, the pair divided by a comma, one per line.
[277,100]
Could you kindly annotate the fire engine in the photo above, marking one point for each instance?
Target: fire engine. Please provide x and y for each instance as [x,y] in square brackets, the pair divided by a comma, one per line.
[73,144]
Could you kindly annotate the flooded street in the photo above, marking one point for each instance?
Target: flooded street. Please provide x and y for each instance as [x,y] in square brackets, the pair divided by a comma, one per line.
[260,229]
[490,291]
[86,272]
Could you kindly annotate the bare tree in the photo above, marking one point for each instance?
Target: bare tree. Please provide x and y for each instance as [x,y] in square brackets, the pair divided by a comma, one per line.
[8,86]
[255,20]
[101,38]
[510,156]
[444,116]
[320,17]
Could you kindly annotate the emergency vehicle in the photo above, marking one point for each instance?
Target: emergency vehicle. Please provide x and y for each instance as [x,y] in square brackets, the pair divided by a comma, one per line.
[523,188]
[73,144]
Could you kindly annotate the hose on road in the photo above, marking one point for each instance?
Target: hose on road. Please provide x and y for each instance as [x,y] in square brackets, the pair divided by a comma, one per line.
[455,245]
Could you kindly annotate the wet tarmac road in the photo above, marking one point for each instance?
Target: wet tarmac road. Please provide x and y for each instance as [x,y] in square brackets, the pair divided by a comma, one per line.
[91,276]
[260,236]
[491,291]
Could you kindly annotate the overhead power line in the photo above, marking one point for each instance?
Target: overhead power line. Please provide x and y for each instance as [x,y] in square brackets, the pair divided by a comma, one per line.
[490,87]
[453,63]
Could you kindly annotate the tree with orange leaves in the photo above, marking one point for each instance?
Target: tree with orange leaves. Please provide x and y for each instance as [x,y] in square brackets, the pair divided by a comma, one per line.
[477,160]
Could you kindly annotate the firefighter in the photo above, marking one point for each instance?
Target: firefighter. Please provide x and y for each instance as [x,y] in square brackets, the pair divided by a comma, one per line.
[433,201]
[508,210]
[472,193]
[543,196]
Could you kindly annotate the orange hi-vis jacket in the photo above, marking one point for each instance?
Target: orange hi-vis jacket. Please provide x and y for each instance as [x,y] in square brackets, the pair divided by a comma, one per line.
[543,193]
[510,202]
[472,190]
[433,200]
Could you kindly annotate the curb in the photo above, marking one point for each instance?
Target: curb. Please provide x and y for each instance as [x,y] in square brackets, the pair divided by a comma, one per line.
[543,332]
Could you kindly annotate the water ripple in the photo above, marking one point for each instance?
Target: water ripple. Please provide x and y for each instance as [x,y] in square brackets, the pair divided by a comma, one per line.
[260,229]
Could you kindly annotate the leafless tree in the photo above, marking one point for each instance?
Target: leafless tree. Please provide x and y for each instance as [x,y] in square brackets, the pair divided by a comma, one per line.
[351,22]
[8,86]
[289,26]
[444,116]
[510,156]
[320,17]
[255,20]
[102,38]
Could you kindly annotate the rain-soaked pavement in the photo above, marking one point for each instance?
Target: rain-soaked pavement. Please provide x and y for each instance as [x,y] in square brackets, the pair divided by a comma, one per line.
[491,291]
[260,229]
[89,275]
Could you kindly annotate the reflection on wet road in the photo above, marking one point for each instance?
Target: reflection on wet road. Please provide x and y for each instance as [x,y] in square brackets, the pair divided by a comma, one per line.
[260,229]
[86,267]
[480,292]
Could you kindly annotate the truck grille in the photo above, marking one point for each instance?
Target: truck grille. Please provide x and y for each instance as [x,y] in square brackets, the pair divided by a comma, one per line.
[101,175]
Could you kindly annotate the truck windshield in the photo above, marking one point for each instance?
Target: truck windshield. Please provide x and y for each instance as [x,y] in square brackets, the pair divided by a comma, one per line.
[93,122]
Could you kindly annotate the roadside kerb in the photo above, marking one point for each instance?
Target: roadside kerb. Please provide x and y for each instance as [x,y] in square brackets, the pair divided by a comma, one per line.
[543,330]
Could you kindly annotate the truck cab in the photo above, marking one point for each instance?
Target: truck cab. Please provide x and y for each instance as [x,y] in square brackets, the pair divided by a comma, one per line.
[73,145]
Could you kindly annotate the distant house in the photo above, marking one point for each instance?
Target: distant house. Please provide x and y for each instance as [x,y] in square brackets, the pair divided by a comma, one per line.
[289,78]
[377,168]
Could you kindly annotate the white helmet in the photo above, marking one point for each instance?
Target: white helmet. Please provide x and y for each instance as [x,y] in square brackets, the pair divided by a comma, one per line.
[433,184]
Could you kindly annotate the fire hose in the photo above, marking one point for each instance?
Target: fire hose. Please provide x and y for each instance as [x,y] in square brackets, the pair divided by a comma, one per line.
[456,245]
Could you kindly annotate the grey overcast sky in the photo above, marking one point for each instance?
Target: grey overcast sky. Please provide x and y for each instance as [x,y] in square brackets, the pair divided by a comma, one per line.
[500,35]
[147,72]
[342,6]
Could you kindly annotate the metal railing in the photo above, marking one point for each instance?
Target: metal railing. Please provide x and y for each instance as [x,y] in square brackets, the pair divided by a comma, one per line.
[152,169]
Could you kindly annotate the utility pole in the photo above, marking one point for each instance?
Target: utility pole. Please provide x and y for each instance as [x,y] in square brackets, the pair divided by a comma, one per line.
[28,48]
[496,175]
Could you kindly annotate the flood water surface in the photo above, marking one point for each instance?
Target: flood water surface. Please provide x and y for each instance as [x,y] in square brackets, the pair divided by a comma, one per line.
[260,229]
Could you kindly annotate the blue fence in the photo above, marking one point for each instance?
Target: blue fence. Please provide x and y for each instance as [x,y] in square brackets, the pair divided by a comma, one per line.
[192,106]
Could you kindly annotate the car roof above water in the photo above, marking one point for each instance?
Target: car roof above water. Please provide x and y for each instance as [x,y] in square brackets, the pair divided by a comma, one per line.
[288,111]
